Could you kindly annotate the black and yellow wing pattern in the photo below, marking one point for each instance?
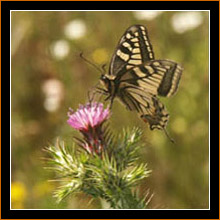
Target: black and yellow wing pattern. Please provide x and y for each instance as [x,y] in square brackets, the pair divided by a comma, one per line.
[134,48]
[137,78]
[158,77]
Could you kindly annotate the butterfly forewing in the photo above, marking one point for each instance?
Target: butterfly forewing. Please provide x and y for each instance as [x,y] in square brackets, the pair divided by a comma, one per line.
[134,48]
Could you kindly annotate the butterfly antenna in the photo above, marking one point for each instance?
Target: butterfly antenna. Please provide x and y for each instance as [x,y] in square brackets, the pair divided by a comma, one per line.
[89,62]
[103,67]
[168,136]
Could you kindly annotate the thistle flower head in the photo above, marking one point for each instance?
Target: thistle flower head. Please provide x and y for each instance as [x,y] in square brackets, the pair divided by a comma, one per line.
[88,119]
[88,116]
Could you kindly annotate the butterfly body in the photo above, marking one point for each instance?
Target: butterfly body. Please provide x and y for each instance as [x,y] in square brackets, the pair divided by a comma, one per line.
[136,78]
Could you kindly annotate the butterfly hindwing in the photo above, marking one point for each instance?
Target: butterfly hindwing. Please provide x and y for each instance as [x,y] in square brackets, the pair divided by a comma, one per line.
[158,77]
[148,106]
[159,118]
[134,48]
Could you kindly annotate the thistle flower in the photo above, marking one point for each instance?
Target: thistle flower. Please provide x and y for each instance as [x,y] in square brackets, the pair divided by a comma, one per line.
[88,119]
[89,115]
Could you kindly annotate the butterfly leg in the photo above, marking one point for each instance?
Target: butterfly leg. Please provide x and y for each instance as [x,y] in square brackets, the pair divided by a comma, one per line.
[111,103]
[107,98]
[101,90]
[90,96]
[92,93]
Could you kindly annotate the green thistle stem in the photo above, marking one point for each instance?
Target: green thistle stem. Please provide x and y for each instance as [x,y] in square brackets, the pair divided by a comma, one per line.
[111,176]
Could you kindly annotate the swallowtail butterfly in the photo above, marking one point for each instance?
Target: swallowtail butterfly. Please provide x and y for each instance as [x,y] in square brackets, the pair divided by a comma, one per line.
[137,78]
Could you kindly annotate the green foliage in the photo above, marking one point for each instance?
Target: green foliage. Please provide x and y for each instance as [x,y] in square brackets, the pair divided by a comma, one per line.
[111,176]
[127,144]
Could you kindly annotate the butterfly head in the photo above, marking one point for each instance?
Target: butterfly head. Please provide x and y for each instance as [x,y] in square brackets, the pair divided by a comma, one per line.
[107,81]
[104,80]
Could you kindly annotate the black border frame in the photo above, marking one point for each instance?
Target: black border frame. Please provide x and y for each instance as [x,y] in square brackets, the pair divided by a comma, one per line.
[6,6]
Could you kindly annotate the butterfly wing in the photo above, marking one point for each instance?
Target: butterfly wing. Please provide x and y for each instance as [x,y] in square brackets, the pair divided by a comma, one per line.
[136,78]
[158,77]
[133,49]
[158,117]
[148,106]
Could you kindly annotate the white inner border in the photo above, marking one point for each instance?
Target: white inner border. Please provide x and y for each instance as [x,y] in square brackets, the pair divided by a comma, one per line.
[107,11]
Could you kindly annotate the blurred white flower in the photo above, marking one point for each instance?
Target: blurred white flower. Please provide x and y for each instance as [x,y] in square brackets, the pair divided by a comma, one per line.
[146,15]
[60,49]
[53,90]
[185,21]
[75,29]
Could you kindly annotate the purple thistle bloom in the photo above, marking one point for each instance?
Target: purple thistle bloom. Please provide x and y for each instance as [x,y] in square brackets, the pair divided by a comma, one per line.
[89,115]
[88,119]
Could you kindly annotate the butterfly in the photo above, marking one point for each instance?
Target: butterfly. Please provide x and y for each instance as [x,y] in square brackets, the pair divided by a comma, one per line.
[136,78]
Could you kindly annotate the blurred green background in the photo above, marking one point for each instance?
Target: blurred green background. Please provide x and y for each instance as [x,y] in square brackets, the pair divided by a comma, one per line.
[48,77]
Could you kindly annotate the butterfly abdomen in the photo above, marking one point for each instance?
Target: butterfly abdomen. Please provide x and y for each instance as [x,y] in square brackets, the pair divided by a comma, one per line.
[159,117]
